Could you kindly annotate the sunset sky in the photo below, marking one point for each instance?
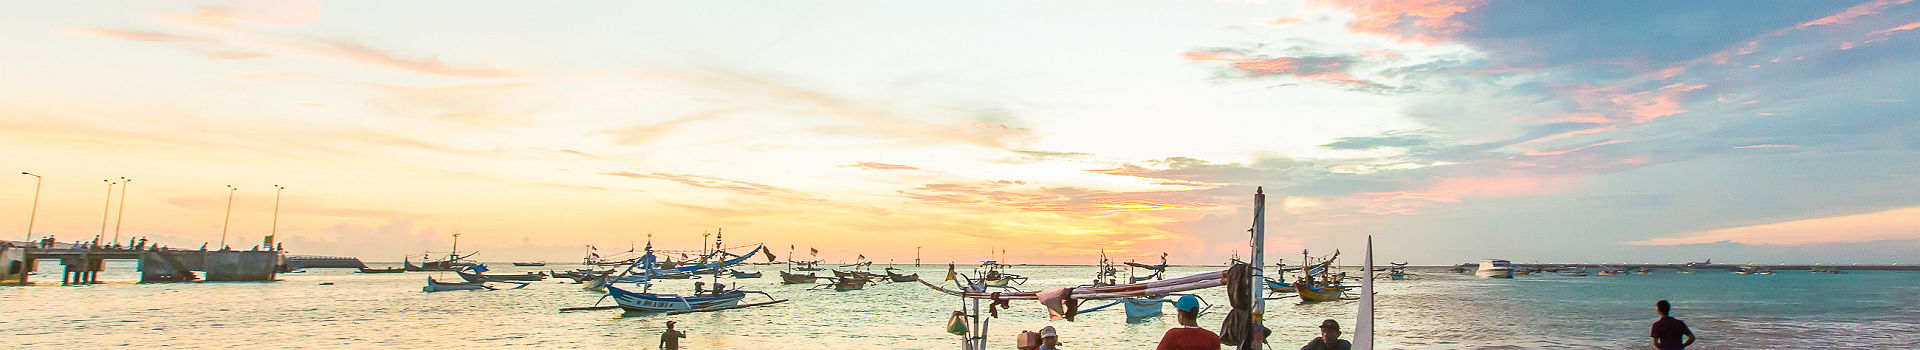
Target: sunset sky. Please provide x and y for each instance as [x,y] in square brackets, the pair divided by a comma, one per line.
[1452,131]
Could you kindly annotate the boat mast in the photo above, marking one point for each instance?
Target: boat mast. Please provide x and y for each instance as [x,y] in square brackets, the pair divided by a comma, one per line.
[455,254]
[1259,246]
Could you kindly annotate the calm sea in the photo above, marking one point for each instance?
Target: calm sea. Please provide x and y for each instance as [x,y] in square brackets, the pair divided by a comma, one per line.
[1791,309]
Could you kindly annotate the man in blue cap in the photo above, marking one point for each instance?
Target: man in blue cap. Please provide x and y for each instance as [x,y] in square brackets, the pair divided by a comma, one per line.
[1189,336]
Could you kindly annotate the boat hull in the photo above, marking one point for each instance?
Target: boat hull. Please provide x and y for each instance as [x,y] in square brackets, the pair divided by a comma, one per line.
[1314,295]
[1279,287]
[1495,273]
[1143,307]
[437,286]
[644,302]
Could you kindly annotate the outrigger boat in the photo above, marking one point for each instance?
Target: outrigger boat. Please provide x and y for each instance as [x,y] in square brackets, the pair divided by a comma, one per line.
[1326,287]
[437,286]
[744,274]
[994,277]
[453,261]
[1398,271]
[894,277]
[478,274]
[794,278]
[388,270]
[530,264]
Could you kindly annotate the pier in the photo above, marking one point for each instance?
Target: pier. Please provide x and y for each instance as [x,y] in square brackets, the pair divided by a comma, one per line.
[83,265]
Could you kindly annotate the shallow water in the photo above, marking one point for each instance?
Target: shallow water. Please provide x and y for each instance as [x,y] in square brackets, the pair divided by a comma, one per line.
[1791,309]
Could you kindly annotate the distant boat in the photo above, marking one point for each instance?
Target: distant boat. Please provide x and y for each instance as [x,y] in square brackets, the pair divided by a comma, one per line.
[1825,270]
[478,275]
[794,278]
[894,277]
[1609,271]
[744,274]
[389,270]
[994,277]
[1397,272]
[1495,268]
[1753,270]
[1643,270]
[1574,271]
[437,286]
[530,264]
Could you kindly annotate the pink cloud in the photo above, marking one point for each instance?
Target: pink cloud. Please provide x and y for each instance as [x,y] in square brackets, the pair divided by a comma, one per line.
[1420,21]
[1571,150]
[1767,146]
[1849,14]
[143,35]
[1282,21]
[881,166]
[1455,190]
[1897,224]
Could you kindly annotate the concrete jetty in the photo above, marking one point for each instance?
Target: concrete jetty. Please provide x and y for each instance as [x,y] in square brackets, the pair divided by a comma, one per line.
[83,265]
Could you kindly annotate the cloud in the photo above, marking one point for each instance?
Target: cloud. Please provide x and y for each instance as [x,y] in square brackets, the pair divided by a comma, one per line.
[1420,21]
[356,52]
[145,35]
[1401,139]
[1326,69]
[880,166]
[709,182]
[1848,15]
[1897,224]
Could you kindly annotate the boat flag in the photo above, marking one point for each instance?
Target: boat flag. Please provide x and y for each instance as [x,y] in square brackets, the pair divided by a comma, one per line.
[816,251]
[769,253]
[950,272]
[862,257]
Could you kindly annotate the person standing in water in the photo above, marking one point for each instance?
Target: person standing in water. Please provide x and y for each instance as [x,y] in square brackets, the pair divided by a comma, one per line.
[1189,336]
[670,339]
[1667,331]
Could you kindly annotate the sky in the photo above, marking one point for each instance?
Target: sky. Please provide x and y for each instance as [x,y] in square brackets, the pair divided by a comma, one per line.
[1449,131]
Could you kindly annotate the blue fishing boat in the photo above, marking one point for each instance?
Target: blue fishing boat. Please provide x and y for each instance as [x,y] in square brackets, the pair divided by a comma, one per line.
[648,302]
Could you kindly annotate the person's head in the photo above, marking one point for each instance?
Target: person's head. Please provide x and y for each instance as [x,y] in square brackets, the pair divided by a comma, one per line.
[1048,336]
[1188,308]
[669,324]
[1663,306]
[1329,330]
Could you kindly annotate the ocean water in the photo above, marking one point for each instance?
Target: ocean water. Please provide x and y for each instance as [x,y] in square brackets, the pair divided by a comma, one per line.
[1435,310]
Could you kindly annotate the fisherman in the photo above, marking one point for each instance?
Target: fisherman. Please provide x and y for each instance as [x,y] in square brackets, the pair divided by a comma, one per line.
[1189,336]
[1329,338]
[699,288]
[1667,331]
[670,339]
[1049,338]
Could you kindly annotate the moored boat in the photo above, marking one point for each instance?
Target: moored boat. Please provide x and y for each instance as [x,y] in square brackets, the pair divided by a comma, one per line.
[1318,294]
[744,274]
[530,264]
[1574,271]
[894,277]
[794,278]
[388,270]
[437,286]
[648,302]
[1495,268]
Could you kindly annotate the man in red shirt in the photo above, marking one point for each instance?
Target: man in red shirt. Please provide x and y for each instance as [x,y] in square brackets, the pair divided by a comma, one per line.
[1189,336]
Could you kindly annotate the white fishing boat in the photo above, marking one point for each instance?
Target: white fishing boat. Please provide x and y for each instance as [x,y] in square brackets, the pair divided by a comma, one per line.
[1574,271]
[437,286]
[1495,268]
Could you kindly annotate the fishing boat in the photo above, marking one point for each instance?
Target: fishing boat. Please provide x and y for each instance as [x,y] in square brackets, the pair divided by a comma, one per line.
[477,273]
[1825,270]
[1573,271]
[530,264]
[794,278]
[388,270]
[842,284]
[1495,268]
[649,302]
[453,260]
[1684,269]
[994,277]
[1610,271]
[1317,283]
[1753,270]
[895,277]
[1397,272]
[744,274]
[437,286]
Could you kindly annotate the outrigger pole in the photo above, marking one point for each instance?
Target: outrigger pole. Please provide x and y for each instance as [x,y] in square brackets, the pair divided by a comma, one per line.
[1259,247]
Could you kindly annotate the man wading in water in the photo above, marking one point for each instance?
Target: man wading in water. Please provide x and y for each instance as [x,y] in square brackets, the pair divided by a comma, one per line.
[670,339]
[1667,331]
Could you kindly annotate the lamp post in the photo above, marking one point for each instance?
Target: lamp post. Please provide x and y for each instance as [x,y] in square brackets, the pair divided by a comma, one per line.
[36,204]
[106,208]
[117,218]
[276,215]
[229,219]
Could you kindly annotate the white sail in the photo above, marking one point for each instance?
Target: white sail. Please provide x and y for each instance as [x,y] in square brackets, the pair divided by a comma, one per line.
[1363,326]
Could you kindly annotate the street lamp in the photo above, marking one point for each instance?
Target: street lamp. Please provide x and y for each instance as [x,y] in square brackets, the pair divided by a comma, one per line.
[276,216]
[117,218]
[229,219]
[105,208]
[36,204]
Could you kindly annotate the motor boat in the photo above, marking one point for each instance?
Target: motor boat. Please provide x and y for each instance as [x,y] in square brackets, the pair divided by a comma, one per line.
[1495,268]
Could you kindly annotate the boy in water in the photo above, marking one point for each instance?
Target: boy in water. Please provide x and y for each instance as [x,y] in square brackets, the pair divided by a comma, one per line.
[1667,331]
[670,339]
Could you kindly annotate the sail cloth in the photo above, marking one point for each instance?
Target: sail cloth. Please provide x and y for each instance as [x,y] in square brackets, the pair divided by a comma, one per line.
[1161,287]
